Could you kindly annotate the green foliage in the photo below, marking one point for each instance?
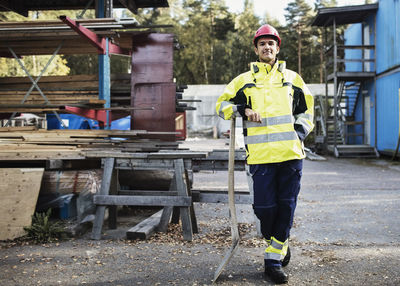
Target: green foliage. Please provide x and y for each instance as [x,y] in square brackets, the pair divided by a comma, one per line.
[34,65]
[298,43]
[215,45]
[241,41]
[45,230]
[82,64]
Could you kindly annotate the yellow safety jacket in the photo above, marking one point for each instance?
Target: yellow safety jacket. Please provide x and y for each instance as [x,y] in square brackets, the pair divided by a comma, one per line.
[286,107]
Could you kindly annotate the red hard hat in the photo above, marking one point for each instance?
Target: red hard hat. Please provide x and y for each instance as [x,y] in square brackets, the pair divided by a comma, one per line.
[267,30]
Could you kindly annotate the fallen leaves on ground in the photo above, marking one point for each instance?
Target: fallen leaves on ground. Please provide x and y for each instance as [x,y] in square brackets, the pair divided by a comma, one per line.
[219,236]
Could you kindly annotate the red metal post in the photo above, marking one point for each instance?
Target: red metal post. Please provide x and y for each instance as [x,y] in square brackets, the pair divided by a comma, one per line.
[93,38]
[99,115]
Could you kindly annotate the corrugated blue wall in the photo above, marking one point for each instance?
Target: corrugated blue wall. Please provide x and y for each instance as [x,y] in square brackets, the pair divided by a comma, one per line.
[388,57]
[388,112]
[388,35]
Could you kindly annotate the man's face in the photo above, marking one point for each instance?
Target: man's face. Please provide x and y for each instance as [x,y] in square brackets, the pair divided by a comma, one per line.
[267,49]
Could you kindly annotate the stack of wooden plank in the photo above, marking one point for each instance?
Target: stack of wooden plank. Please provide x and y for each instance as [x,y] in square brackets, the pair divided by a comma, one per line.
[43,37]
[81,90]
[60,91]
[26,143]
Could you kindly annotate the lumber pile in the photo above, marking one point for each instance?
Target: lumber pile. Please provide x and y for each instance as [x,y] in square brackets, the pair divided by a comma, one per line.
[44,37]
[79,90]
[60,91]
[24,144]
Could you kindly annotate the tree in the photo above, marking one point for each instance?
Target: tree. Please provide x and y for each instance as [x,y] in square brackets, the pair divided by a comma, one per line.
[239,47]
[298,20]
[221,22]
[203,28]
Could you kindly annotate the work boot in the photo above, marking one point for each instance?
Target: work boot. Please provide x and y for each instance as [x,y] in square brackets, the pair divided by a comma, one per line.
[276,274]
[286,259]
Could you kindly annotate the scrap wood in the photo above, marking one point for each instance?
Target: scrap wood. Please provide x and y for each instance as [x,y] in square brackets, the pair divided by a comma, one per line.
[19,189]
[310,155]
[145,228]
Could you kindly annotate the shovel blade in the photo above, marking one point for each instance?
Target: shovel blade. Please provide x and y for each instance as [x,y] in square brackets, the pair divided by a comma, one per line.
[226,259]
[231,199]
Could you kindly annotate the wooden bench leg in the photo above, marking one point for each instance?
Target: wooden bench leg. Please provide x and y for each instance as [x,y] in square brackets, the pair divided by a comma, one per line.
[191,208]
[187,227]
[112,210]
[175,215]
[164,220]
[166,213]
[104,190]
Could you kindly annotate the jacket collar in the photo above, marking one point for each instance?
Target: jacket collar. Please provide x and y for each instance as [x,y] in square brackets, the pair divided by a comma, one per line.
[257,67]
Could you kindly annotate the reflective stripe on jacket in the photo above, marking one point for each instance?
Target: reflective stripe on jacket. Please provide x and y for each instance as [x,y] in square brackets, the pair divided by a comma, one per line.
[286,107]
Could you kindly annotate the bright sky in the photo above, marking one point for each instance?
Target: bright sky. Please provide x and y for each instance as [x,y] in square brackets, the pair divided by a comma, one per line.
[276,8]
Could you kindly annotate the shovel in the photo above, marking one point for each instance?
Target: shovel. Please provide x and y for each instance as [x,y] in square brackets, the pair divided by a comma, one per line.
[231,200]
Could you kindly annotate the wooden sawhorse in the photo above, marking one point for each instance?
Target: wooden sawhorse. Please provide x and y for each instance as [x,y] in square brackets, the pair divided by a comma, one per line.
[182,201]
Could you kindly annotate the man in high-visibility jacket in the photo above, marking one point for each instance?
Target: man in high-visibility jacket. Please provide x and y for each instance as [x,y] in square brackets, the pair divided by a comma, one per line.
[277,111]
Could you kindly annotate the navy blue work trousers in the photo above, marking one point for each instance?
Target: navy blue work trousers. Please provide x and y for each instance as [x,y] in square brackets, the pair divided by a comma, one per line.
[276,187]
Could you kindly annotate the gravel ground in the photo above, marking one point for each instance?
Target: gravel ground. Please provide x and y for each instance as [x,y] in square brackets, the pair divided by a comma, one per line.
[346,232]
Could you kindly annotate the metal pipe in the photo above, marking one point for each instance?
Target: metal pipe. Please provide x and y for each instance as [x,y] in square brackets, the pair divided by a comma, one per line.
[334,84]
[326,90]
